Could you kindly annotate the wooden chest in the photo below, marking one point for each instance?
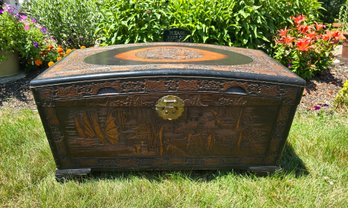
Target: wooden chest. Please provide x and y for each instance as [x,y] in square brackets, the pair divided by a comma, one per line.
[166,106]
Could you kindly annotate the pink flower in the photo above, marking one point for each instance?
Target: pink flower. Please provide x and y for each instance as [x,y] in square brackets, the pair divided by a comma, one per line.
[26,27]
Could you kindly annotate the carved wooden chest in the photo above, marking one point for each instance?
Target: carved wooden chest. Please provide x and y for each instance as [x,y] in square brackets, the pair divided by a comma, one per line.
[166,106]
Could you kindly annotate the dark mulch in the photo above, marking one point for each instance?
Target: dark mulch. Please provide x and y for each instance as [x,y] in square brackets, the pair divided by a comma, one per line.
[323,89]
[17,93]
[319,91]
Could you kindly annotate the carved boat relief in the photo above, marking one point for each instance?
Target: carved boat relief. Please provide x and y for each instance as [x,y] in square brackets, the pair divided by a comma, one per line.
[202,130]
[88,126]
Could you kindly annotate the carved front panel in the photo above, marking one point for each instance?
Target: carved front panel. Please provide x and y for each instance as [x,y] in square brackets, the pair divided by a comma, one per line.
[115,124]
[105,128]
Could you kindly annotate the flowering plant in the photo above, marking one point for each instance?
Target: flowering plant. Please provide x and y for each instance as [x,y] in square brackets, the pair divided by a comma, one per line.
[306,48]
[21,34]
[11,36]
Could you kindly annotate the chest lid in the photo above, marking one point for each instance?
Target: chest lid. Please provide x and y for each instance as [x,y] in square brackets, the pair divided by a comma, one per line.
[165,60]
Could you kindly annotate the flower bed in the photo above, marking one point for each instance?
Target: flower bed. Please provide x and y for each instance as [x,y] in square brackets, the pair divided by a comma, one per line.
[306,48]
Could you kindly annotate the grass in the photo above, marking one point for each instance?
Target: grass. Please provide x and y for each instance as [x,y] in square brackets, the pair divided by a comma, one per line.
[315,173]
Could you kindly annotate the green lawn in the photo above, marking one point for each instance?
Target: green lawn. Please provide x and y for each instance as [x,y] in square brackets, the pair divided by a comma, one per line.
[315,173]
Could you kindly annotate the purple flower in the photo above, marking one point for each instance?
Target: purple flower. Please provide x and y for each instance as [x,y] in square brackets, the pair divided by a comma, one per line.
[35,44]
[34,20]
[44,30]
[22,17]
[9,8]
[289,66]
[317,107]
[1,11]
[26,27]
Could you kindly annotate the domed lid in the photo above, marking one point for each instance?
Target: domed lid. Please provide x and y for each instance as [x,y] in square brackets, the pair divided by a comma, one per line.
[167,59]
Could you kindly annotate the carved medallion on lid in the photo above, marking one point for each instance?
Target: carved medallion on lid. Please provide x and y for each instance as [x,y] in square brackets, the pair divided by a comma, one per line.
[170,54]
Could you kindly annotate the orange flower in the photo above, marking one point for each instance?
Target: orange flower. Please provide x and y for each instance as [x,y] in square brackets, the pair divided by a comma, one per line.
[288,40]
[303,44]
[311,35]
[319,26]
[303,28]
[283,32]
[59,58]
[82,47]
[299,19]
[327,36]
[50,47]
[60,50]
[338,36]
[38,62]
[51,63]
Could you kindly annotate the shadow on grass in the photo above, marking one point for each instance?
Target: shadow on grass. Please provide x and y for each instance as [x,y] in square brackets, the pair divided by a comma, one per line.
[290,164]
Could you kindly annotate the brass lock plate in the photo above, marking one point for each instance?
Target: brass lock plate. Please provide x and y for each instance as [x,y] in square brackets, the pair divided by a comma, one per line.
[170,107]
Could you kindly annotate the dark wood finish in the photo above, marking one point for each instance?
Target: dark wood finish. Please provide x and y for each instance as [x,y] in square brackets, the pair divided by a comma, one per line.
[110,121]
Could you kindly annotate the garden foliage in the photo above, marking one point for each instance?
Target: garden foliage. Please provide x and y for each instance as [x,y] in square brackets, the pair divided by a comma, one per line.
[22,35]
[246,23]
[12,34]
[306,47]
[341,100]
[71,22]
[331,9]
[343,17]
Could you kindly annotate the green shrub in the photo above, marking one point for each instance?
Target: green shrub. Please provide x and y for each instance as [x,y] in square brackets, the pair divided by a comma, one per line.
[341,100]
[343,16]
[245,23]
[70,22]
[331,9]
[306,48]
[248,23]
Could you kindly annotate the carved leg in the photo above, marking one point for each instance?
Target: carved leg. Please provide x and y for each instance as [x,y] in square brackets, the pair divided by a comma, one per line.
[263,170]
[64,174]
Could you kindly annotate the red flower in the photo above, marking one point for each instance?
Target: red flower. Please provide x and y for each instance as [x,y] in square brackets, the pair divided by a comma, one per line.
[283,32]
[288,40]
[303,44]
[319,26]
[303,28]
[299,19]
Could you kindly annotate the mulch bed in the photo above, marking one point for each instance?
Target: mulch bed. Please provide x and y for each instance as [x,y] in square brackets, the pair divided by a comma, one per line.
[320,91]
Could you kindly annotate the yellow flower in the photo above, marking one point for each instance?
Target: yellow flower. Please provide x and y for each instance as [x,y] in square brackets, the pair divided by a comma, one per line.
[68,51]
[59,58]
[82,47]
[50,63]
[38,62]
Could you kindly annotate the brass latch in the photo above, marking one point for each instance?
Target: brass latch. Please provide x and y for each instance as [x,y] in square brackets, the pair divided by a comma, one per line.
[170,107]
